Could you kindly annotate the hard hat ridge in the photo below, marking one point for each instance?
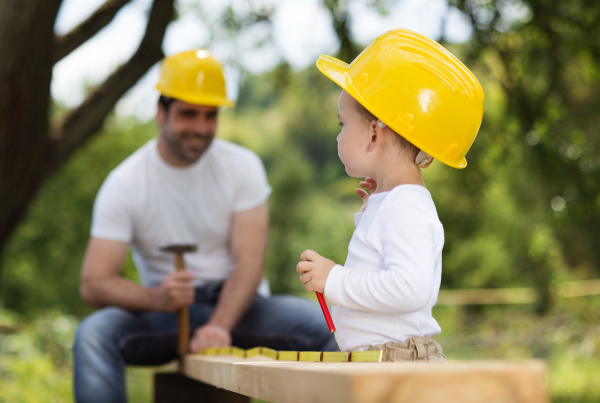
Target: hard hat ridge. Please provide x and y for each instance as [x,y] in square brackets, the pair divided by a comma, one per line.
[443,64]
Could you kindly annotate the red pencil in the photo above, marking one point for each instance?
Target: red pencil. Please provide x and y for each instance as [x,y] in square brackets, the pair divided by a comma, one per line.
[325,312]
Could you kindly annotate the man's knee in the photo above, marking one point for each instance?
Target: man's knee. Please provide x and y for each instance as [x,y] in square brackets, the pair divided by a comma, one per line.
[100,328]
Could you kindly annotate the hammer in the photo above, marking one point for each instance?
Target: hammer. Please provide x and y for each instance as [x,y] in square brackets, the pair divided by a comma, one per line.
[183,322]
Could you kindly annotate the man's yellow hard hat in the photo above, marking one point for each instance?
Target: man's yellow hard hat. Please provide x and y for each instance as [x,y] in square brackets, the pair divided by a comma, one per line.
[194,77]
[418,88]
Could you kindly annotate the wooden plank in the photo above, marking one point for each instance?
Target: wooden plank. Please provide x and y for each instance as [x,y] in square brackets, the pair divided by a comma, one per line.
[583,288]
[522,295]
[487,296]
[372,382]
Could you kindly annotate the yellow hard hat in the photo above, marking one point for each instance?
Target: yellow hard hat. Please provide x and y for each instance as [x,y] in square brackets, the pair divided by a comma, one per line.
[417,88]
[194,77]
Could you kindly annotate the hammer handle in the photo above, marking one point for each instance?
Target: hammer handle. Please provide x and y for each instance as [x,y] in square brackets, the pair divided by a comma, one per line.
[179,262]
[183,321]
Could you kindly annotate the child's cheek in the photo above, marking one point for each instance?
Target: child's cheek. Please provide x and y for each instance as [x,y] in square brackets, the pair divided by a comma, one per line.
[343,154]
[340,148]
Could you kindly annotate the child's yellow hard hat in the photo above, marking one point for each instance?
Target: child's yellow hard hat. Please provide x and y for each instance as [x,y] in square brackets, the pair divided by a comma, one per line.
[194,77]
[417,88]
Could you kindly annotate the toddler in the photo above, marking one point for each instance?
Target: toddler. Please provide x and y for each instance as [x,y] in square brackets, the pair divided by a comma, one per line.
[405,100]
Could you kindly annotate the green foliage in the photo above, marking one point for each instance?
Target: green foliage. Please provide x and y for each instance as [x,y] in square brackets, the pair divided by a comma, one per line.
[568,338]
[541,60]
[43,259]
[36,361]
[291,180]
[502,228]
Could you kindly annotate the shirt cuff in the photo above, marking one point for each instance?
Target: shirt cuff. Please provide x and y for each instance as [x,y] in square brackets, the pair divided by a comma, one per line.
[334,284]
[118,236]
[248,204]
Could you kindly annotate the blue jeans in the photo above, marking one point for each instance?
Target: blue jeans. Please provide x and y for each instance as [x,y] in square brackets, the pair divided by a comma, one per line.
[112,337]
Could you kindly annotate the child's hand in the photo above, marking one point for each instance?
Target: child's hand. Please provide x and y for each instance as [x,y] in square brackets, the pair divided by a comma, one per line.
[314,269]
[371,186]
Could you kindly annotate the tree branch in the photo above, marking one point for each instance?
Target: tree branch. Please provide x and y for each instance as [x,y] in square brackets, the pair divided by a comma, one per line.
[83,122]
[63,45]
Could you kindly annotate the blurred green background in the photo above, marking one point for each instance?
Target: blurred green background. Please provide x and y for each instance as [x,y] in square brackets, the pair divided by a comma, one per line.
[524,213]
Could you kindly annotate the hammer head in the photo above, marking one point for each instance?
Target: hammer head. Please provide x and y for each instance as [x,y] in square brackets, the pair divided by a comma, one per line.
[180,248]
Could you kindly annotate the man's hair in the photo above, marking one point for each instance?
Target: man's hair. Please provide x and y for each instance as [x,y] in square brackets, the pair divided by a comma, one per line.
[165,102]
[405,146]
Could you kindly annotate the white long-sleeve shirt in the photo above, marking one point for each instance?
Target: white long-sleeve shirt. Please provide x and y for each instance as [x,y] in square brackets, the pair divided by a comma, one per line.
[391,278]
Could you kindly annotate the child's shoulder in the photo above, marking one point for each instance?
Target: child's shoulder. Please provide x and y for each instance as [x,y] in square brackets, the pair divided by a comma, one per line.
[409,200]
[408,193]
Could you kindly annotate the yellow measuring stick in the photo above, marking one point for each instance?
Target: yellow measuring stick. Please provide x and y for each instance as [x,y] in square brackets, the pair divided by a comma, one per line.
[288,356]
[309,356]
[267,352]
[238,352]
[335,356]
[253,352]
[366,356]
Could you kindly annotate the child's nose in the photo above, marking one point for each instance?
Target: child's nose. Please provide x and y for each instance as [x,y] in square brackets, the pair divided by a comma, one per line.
[338,137]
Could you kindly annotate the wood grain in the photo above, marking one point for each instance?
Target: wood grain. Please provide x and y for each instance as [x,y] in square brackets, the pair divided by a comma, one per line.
[370,382]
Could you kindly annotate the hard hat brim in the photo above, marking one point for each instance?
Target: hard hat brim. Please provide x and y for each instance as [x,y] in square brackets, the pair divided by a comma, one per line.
[337,71]
[197,100]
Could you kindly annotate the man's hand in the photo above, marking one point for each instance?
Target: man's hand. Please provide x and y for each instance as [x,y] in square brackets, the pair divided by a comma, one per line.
[176,291]
[314,269]
[248,245]
[371,186]
[209,336]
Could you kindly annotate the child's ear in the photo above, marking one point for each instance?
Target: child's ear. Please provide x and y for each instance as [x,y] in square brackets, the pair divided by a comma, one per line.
[376,133]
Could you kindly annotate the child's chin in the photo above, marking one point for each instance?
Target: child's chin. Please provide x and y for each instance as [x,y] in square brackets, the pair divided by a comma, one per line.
[353,174]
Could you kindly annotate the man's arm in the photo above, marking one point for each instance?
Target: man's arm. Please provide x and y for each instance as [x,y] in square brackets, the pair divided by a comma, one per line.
[101,284]
[248,245]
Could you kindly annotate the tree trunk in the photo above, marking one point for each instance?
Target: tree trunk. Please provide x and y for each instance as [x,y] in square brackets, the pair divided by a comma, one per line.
[26,43]
[31,149]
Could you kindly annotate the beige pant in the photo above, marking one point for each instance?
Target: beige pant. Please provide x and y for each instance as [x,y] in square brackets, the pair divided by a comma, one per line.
[412,349]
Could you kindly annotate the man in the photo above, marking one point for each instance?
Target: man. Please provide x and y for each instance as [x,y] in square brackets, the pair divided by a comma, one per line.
[183,188]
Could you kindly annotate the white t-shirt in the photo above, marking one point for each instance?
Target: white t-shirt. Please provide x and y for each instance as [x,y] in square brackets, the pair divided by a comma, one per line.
[150,204]
[391,278]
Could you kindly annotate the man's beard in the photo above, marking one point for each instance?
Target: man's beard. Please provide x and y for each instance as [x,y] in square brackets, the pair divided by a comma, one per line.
[174,143]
